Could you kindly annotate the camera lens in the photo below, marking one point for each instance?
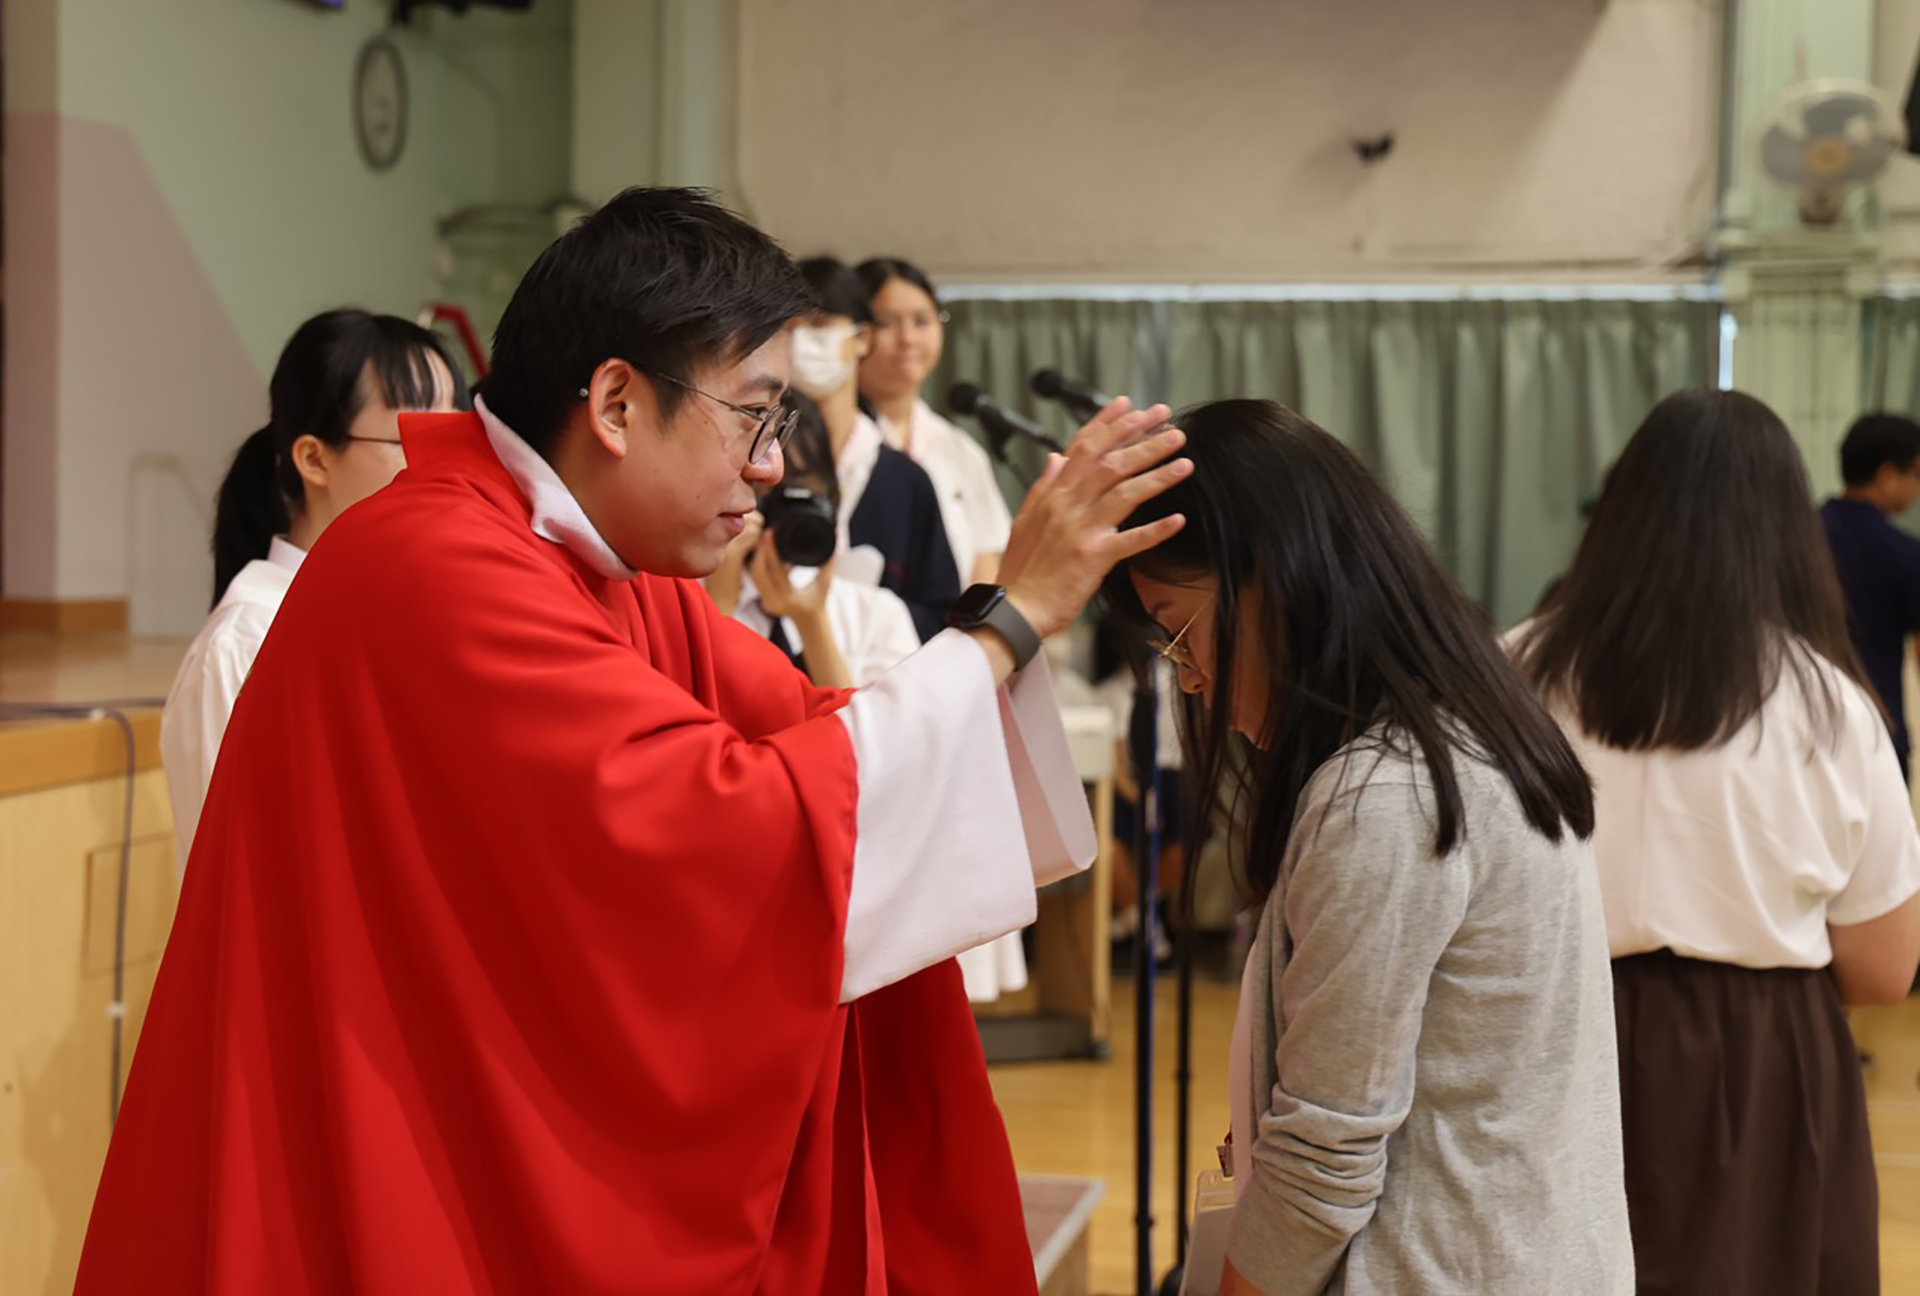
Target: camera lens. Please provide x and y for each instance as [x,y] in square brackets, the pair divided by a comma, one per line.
[803,525]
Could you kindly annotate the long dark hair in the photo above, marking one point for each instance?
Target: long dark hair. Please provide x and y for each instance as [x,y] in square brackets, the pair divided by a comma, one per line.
[1703,573]
[1360,627]
[317,390]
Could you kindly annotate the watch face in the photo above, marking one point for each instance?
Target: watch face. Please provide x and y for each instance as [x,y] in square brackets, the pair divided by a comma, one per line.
[974,605]
[380,103]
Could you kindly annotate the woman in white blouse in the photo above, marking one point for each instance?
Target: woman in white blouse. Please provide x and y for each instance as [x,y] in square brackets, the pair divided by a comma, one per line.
[332,439]
[1756,847]
[908,334]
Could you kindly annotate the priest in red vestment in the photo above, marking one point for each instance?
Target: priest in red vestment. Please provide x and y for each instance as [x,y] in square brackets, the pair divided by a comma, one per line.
[546,931]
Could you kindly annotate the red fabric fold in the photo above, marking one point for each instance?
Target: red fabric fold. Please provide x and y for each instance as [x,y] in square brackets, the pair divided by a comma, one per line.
[509,950]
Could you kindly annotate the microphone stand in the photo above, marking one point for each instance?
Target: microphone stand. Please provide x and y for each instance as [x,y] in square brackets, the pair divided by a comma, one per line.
[1144,748]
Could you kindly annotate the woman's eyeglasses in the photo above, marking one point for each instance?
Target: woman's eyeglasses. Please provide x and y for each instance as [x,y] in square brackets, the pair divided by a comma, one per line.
[1175,650]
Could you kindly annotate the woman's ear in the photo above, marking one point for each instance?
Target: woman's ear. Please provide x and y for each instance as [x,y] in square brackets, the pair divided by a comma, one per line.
[313,460]
[862,341]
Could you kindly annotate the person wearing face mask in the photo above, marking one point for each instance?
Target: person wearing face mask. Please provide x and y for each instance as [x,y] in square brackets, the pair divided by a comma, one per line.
[889,505]
[908,335]
[842,633]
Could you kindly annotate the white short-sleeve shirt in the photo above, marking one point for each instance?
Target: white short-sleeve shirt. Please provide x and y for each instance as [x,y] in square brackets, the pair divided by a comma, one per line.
[972,508]
[871,626]
[1743,853]
[209,680]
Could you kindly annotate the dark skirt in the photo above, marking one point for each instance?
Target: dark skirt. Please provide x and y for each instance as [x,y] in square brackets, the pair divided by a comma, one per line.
[1749,1168]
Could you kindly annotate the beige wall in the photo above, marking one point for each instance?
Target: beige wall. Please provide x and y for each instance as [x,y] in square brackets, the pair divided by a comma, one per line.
[1207,140]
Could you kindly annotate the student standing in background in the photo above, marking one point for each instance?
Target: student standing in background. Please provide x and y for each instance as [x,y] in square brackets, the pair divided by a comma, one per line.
[843,634]
[1756,851]
[332,439]
[889,504]
[909,331]
[1879,564]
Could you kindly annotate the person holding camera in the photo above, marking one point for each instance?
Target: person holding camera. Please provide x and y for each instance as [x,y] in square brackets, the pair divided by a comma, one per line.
[888,503]
[777,577]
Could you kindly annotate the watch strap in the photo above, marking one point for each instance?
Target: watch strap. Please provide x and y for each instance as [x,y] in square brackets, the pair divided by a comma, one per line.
[1004,619]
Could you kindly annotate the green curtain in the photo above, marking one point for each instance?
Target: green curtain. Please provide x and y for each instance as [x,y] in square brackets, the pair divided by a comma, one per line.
[998,344]
[1490,420]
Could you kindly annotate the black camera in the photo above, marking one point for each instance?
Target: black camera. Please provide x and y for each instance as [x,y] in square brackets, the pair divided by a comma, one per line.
[803,525]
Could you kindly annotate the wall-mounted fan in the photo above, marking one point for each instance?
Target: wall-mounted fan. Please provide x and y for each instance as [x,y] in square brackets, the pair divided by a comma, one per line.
[1827,138]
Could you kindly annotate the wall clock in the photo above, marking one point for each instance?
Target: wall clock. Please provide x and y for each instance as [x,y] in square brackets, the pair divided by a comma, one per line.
[380,103]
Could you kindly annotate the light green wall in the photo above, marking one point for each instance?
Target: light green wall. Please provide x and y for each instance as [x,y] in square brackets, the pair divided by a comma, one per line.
[654,87]
[242,109]
[195,191]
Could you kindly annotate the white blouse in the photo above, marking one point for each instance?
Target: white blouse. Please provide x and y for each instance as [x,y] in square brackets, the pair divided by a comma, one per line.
[209,680]
[971,505]
[1745,852]
[871,626]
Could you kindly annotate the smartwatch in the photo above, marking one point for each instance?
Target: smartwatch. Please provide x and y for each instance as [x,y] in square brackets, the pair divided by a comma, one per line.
[987,606]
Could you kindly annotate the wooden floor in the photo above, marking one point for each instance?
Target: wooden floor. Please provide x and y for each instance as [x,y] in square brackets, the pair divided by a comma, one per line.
[1077,1118]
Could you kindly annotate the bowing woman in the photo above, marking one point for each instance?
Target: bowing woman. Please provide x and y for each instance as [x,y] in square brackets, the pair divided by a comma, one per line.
[1422,1080]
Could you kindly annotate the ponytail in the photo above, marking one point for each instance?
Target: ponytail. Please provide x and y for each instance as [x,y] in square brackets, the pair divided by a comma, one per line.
[324,376]
[250,510]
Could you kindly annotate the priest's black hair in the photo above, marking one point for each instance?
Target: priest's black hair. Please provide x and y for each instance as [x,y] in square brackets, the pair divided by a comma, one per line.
[320,384]
[666,279]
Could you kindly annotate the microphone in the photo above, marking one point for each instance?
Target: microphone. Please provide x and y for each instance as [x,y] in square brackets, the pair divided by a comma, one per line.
[1002,425]
[1081,400]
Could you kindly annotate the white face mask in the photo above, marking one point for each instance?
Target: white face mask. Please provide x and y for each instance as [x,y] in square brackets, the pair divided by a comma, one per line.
[822,364]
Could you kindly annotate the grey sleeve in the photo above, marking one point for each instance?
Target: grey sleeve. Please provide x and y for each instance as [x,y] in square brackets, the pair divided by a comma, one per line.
[1369,910]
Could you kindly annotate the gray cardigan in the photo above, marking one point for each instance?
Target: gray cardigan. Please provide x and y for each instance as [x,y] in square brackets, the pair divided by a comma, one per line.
[1431,1049]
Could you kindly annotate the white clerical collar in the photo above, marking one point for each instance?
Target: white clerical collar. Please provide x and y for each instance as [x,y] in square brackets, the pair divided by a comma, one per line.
[557,515]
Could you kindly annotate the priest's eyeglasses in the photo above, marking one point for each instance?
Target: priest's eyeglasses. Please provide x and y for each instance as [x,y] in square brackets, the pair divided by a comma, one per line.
[773,424]
[1175,650]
